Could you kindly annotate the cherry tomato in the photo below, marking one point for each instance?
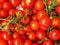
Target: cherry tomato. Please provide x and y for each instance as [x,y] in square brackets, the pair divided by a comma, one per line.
[10,42]
[57,9]
[3,13]
[0,34]
[40,34]
[16,35]
[6,36]
[44,22]
[58,2]
[31,36]
[3,42]
[49,2]
[55,22]
[54,34]
[26,20]
[34,17]
[14,3]
[28,42]
[22,32]
[6,6]
[12,12]
[48,42]
[17,41]
[40,14]
[39,5]
[27,3]
[34,25]
[1,1]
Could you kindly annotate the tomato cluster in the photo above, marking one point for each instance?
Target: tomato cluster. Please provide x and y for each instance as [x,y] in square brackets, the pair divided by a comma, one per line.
[29,22]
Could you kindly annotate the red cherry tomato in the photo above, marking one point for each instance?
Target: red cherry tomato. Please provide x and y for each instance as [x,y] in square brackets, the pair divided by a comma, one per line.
[3,42]
[31,36]
[27,3]
[40,34]
[49,2]
[12,12]
[55,22]
[14,3]
[48,42]
[10,42]
[44,22]
[57,9]
[54,34]
[6,6]
[39,5]
[3,13]
[40,14]
[28,42]
[6,36]
[58,2]
[34,25]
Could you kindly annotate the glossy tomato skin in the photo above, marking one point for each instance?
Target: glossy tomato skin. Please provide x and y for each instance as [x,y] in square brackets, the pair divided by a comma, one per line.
[12,12]
[10,42]
[40,34]
[3,42]
[14,3]
[40,14]
[49,2]
[32,36]
[48,42]
[57,9]
[28,42]
[44,22]
[39,5]
[3,13]
[55,22]
[34,25]
[17,41]
[6,36]
[27,3]
[54,34]
[6,6]
[58,2]
[1,1]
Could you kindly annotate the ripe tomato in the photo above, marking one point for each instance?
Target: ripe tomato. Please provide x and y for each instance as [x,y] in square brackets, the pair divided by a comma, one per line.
[6,6]
[48,42]
[49,2]
[27,3]
[39,5]
[40,34]
[31,36]
[10,42]
[12,12]
[1,1]
[14,3]
[44,22]
[28,42]
[3,14]
[27,28]
[40,14]
[54,34]
[34,17]
[34,25]
[17,41]
[55,22]
[16,35]
[6,36]
[22,32]
[57,9]
[3,42]
[26,20]
[58,2]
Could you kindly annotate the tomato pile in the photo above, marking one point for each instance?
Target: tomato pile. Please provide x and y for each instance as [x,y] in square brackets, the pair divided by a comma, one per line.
[29,22]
